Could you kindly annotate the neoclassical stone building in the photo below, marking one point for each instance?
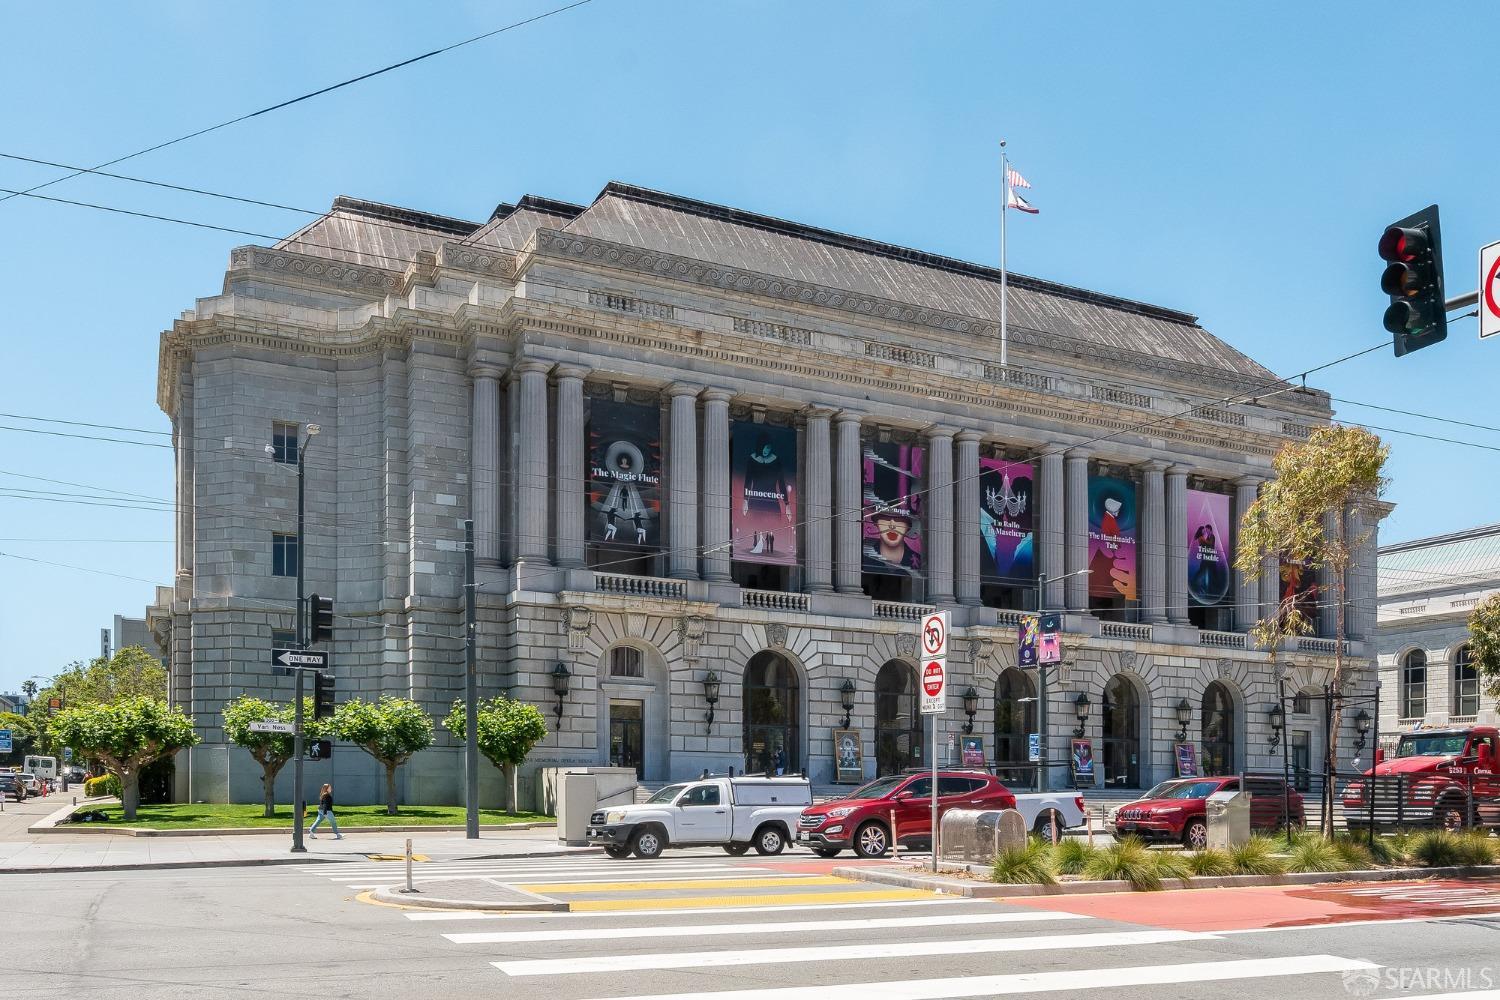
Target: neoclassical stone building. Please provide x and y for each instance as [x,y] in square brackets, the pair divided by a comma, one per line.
[718,465]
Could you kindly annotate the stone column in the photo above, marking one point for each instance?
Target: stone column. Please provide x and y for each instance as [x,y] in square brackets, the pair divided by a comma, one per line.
[1177,559]
[817,502]
[716,500]
[966,519]
[1154,543]
[1327,623]
[484,462]
[1270,585]
[1246,594]
[1049,527]
[847,502]
[1076,529]
[940,515]
[532,507]
[682,481]
[571,474]
[1362,525]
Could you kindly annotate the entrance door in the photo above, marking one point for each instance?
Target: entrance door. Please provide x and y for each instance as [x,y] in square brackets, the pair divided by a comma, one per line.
[1301,759]
[627,735]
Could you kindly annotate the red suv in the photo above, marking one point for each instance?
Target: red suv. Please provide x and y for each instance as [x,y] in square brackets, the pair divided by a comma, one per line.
[1177,809]
[862,820]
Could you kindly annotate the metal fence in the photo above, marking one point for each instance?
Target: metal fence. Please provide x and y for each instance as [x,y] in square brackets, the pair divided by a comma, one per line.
[1423,800]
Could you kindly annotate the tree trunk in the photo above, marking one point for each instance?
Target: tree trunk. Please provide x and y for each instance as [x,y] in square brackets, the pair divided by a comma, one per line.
[130,791]
[269,769]
[1339,567]
[390,789]
[508,771]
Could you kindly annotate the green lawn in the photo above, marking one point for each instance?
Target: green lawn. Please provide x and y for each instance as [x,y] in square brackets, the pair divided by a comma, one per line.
[203,816]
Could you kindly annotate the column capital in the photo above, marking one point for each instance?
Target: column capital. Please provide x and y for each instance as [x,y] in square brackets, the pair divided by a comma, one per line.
[528,366]
[940,431]
[483,369]
[1182,471]
[815,412]
[717,394]
[1250,481]
[1156,465]
[848,417]
[1053,450]
[563,371]
[682,389]
[969,434]
[1078,454]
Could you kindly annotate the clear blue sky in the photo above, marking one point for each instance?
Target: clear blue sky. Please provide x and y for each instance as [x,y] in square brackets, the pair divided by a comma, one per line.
[1235,164]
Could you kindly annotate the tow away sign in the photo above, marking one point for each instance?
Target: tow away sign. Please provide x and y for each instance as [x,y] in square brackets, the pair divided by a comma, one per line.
[934,687]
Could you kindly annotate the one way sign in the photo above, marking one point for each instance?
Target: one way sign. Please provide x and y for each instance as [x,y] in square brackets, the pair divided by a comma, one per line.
[301,659]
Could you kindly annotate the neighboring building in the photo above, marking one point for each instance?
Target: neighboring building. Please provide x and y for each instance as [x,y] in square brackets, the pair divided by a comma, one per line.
[12,703]
[665,417]
[1428,587]
[130,632]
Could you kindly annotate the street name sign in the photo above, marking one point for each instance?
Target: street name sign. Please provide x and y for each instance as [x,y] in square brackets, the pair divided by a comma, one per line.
[1489,293]
[269,726]
[934,635]
[5,745]
[301,659]
[934,687]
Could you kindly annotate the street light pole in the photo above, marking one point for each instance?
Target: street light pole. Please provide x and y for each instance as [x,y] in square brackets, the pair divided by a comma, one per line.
[471,693]
[299,803]
[1044,764]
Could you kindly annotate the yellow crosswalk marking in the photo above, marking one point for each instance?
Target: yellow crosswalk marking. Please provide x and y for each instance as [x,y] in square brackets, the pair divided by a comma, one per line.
[782,899]
[554,888]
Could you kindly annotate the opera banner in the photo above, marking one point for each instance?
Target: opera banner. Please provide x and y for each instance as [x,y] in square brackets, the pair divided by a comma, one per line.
[1208,547]
[763,494]
[1113,520]
[624,474]
[1299,589]
[1005,520]
[893,506]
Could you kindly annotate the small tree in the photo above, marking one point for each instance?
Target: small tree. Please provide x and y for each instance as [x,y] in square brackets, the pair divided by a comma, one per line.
[390,730]
[508,729]
[272,751]
[125,737]
[1484,643]
[1328,474]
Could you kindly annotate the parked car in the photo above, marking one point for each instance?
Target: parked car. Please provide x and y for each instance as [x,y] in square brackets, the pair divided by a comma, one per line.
[34,783]
[1177,810]
[77,775]
[733,813]
[862,819]
[1448,778]
[11,784]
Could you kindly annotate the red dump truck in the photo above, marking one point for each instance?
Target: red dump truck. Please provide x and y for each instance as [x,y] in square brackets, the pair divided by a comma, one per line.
[1448,778]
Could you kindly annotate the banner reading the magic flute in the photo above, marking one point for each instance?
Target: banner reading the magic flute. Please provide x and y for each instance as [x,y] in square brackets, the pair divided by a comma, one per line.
[624,474]
[763,493]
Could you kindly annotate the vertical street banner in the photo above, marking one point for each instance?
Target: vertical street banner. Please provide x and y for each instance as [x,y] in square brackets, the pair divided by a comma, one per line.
[893,506]
[1208,547]
[1049,638]
[763,493]
[1113,521]
[624,474]
[1006,545]
[1028,636]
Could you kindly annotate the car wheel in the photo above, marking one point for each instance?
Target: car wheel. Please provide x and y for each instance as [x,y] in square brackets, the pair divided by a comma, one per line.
[826,852]
[736,849]
[647,844]
[770,840]
[1043,826]
[871,840]
[1195,835]
[1451,817]
[617,852]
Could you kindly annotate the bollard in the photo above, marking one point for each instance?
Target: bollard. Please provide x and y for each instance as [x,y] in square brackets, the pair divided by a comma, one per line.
[895,844]
[1052,815]
[408,866]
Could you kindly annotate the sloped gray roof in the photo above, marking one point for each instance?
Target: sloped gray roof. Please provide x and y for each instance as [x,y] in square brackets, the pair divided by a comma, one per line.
[1464,559]
[375,235]
[512,225]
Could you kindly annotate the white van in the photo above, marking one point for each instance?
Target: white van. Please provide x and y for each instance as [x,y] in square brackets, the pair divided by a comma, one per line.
[42,767]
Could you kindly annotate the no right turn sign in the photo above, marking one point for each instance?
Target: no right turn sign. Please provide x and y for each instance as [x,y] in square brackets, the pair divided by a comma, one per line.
[1489,290]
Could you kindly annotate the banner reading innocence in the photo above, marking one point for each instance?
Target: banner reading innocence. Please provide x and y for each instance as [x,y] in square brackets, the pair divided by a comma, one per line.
[1006,546]
[1112,537]
[1208,547]
[624,474]
[763,493]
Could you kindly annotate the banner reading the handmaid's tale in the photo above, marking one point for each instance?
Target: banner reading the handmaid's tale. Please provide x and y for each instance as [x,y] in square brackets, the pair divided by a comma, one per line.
[624,473]
[763,493]
[893,504]
[1113,520]
[1208,547]
[1006,539]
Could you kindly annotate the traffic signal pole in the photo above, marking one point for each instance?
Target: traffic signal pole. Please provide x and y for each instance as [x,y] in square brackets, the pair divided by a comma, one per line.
[298,805]
[471,693]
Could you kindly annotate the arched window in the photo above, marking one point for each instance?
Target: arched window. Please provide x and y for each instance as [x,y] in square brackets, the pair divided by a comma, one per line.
[1218,730]
[1414,685]
[1465,683]
[898,726]
[1015,721]
[771,710]
[1122,733]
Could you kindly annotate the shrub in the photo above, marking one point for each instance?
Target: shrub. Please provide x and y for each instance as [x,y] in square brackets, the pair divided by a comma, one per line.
[1128,860]
[1172,864]
[1354,852]
[1256,857]
[105,784]
[1436,849]
[1312,853]
[1071,856]
[1401,844]
[1030,864]
[1210,861]
[1475,847]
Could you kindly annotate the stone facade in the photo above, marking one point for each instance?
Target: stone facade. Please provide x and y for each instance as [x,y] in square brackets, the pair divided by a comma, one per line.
[451,368]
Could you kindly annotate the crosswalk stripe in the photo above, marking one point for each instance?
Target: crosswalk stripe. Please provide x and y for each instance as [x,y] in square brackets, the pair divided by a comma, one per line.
[559,878]
[772,901]
[914,899]
[1039,982]
[741,928]
[836,953]
[668,882]
[363,872]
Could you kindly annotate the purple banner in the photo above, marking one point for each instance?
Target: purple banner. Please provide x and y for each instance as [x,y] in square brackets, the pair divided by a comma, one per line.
[1006,502]
[1208,547]
[763,494]
[1112,537]
[893,507]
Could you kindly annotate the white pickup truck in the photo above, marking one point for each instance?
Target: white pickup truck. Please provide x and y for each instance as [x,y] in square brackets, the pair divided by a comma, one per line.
[1038,808]
[733,813]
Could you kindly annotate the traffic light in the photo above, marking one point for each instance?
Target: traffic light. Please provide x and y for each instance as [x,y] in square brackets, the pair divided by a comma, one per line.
[1413,249]
[319,750]
[321,610]
[322,695]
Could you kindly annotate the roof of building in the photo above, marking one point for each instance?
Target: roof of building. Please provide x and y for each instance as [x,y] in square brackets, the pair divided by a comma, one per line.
[1463,559]
[377,235]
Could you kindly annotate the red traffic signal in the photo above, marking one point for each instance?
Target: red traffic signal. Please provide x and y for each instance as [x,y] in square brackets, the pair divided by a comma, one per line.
[1399,243]
[1417,314]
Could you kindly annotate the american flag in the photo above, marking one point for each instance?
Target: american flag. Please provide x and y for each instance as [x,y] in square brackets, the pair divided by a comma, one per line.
[1014,178]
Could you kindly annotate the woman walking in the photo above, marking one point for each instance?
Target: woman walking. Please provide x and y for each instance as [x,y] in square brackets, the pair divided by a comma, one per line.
[325,811]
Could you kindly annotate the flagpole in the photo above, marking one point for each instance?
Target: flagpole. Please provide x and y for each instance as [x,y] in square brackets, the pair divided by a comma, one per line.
[1004,205]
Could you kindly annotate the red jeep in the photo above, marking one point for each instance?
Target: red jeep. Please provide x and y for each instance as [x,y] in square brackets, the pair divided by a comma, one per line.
[1177,810]
[862,820]
[1437,777]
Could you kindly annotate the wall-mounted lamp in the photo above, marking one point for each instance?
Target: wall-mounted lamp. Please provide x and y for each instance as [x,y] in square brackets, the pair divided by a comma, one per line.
[971,708]
[1278,723]
[560,678]
[1081,706]
[846,698]
[1184,716]
[1362,728]
[711,694]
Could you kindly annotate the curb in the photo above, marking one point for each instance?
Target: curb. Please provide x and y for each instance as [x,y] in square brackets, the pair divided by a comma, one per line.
[52,824]
[994,890]
[163,865]
[536,904]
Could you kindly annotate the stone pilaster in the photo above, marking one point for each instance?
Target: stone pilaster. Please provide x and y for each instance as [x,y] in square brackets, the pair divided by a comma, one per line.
[571,474]
[1270,585]
[532,502]
[940,514]
[1076,529]
[1049,527]
[847,502]
[716,499]
[818,507]
[682,481]
[1328,593]
[1154,543]
[1246,594]
[484,462]
[966,519]
[1177,559]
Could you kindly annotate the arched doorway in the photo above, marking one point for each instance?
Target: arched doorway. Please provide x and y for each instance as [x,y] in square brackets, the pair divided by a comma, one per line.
[1218,730]
[772,708]
[898,726]
[631,710]
[1015,721]
[1121,733]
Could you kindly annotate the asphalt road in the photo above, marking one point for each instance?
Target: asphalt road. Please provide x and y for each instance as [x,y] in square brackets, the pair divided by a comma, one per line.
[697,923]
